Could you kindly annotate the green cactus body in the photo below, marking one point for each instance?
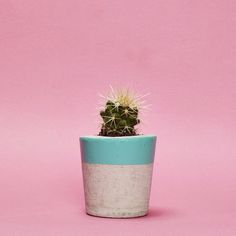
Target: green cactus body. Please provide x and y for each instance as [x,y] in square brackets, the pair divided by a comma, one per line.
[119,120]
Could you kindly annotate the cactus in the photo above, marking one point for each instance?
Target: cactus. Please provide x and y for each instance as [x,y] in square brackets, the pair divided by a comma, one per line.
[120,115]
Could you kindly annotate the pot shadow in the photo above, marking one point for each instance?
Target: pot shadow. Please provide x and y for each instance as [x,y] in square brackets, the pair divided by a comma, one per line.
[163,213]
[153,213]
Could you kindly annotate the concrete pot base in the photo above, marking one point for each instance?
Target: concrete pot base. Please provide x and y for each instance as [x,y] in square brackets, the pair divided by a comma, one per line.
[106,213]
[117,191]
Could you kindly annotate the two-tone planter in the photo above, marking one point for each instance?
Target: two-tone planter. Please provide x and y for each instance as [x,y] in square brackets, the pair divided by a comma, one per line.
[117,174]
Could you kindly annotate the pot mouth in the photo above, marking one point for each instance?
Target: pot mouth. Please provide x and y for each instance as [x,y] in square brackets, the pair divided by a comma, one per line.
[98,137]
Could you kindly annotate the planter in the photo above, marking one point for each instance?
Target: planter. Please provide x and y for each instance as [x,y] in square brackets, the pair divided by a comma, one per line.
[117,173]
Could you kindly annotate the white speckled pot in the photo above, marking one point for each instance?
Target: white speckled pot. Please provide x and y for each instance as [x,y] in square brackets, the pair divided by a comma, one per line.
[117,173]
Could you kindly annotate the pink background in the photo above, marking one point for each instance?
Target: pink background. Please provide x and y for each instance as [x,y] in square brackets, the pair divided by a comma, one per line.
[56,55]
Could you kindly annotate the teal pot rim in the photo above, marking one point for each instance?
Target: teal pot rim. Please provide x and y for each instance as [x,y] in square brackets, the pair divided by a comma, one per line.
[124,150]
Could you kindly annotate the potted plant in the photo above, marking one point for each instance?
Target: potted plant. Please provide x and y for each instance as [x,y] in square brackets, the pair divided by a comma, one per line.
[117,163]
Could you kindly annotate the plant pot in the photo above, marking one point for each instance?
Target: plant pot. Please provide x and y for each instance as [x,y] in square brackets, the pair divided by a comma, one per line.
[117,174]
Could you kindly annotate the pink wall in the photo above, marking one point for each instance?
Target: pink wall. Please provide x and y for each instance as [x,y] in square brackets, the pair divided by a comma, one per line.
[55,56]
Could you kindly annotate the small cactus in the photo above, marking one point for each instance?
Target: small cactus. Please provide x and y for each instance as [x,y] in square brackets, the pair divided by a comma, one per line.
[120,115]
